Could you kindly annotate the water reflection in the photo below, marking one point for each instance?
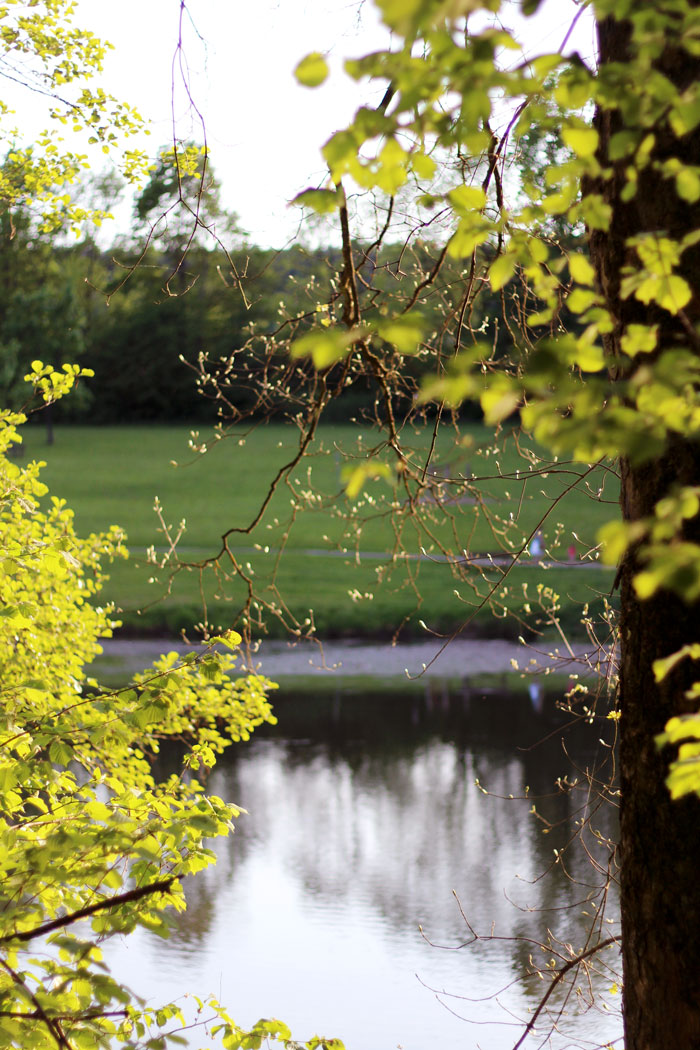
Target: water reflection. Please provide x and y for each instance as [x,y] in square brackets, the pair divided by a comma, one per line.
[364,822]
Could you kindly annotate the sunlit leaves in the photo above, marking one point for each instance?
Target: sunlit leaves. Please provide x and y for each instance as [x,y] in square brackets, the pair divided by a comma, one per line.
[500,399]
[686,178]
[390,170]
[671,292]
[473,229]
[323,202]
[312,70]
[616,536]
[560,203]
[325,346]
[639,339]
[597,364]
[403,15]
[407,16]
[574,88]
[52,52]
[464,379]
[466,199]
[71,843]
[423,165]
[656,282]
[683,730]
[403,331]
[662,667]
[265,1033]
[582,140]
[581,299]
[54,384]
[685,113]
[329,344]
[502,269]
[340,152]
[355,477]
[594,211]
[580,269]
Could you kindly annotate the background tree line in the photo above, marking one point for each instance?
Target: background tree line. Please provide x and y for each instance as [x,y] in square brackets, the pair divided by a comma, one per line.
[160,325]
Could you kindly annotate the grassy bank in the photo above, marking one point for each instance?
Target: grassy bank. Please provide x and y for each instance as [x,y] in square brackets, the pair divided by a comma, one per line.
[335,551]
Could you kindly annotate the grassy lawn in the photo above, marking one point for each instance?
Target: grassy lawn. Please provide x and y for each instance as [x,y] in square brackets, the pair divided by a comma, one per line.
[112,475]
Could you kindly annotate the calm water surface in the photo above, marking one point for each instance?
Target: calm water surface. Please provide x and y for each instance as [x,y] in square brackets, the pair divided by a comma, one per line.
[365,825]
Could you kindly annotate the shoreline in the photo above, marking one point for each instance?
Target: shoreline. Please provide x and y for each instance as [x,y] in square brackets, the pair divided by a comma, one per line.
[434,658]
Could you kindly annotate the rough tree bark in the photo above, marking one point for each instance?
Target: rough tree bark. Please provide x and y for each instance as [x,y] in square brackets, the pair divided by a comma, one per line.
[659,849]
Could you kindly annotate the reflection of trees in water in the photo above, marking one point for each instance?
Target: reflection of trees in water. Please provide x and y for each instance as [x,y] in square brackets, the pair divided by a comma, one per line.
[370,806]
[372,801]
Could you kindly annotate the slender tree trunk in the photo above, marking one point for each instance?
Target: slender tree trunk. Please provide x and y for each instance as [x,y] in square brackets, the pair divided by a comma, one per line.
[659,839]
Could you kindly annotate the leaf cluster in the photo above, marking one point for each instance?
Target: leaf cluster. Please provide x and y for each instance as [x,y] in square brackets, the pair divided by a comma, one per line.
[86,831]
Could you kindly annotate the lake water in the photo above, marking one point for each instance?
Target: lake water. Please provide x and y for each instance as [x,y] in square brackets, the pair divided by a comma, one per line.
[364,826]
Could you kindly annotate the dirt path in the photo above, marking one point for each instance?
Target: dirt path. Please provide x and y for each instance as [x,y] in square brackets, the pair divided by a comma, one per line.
[462,658]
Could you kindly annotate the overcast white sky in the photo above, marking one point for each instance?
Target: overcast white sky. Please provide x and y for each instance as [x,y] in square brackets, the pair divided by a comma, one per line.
[263,130]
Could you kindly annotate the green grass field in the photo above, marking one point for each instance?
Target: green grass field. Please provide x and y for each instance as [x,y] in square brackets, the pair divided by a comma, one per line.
[112,475]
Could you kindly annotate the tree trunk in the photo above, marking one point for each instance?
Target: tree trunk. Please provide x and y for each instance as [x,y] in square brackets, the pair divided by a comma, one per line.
[659,849]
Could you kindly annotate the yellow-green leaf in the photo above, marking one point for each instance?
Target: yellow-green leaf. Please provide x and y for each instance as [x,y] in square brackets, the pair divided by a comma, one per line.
[639,339]
[312,70]
[324,346]
[581,299]
[581,270]
[583,141]
[465,199]
[502,269]
[356,477]
[405,331]
[321,201]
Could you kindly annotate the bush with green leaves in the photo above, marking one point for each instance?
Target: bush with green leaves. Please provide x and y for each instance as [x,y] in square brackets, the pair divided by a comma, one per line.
[86,831]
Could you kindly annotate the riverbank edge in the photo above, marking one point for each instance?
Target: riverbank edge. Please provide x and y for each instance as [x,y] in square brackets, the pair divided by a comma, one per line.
[458,659]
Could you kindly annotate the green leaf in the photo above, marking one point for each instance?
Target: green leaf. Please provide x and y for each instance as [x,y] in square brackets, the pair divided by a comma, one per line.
[323,202]
[356,477]
[671,292]
[404,331]
[340,151]
[581,299]
[588,356]
[499,400]
[622,144]
[312,70]
[401,15]
[423,165]
[502,269]
[616,536]
[390,170]
[685,114]
[688,184]
[639,339]
[60,753]
[466,199]
[684,773]
[325,346]
[594,211]
[581,270]
[663,666]
[583,141]
[471,232]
